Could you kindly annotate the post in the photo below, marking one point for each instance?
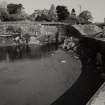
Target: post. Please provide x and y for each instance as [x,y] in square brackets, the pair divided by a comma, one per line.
[57,38]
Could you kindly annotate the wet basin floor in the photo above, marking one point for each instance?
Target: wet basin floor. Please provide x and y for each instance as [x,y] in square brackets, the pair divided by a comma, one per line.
[37,81]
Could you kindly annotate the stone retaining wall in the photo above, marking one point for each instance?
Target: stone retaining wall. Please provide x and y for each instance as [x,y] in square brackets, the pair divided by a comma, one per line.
[40,30]
[33,28]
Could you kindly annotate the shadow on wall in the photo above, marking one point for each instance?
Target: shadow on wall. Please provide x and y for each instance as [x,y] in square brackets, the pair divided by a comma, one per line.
[89,80]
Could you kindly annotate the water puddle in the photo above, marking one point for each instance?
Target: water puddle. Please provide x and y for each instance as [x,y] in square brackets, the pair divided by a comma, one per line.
[13,53]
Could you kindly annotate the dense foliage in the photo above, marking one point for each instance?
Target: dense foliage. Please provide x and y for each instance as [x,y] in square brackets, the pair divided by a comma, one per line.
[14,8]
[62,12]
[15,12]
[85,17]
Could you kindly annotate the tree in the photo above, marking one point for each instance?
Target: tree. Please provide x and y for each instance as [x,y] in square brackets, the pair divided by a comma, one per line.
[3,11]
[14,8]
[62,13]
[73,12]
[72,19]
[85,17]
[16,12]
[4,14]
[52,13]
[43,17]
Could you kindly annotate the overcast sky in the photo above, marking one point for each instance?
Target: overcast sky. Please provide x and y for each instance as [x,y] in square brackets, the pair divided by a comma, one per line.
[97,7]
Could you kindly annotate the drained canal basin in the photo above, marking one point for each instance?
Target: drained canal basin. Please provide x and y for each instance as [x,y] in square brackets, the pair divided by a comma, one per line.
[44,75]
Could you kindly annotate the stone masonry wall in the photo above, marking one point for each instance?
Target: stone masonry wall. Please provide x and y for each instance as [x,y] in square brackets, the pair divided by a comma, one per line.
[33,28]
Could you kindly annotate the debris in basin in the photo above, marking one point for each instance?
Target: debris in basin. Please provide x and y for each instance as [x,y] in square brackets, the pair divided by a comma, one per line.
[52,54]
[33,40]
[68,43]
[63,61]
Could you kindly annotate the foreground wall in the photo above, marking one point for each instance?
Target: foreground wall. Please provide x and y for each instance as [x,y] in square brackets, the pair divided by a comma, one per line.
[99,97]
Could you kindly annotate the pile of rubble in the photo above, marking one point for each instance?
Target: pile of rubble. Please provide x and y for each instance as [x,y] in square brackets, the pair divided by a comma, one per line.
[70,43]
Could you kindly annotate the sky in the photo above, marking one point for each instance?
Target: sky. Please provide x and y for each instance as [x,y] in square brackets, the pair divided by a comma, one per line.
[97,7]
